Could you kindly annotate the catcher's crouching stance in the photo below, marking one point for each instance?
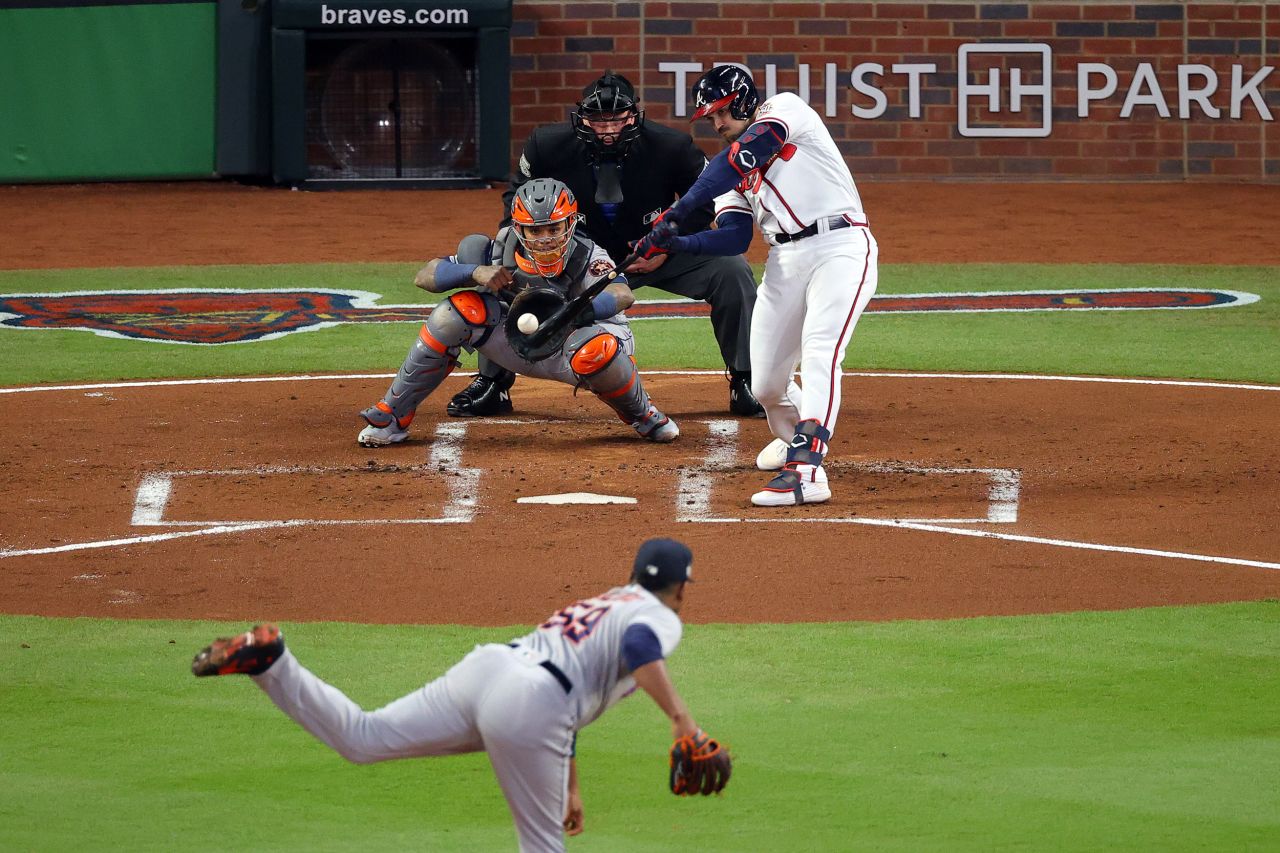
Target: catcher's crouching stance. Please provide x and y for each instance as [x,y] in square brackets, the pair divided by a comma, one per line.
[544,265]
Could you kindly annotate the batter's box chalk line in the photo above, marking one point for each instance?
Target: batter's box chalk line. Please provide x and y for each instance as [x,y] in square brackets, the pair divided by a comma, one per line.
[697,485]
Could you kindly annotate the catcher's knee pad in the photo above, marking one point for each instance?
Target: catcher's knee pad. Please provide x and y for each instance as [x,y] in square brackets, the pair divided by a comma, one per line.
[471,305]
[464,319]
[598,360]
[593,355]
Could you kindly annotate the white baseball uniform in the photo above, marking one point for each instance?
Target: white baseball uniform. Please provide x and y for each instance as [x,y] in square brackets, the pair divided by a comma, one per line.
[814,288]
[521,703]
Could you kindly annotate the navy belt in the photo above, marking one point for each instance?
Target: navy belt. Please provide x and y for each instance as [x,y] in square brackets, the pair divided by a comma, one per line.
[834,223]
[554,670]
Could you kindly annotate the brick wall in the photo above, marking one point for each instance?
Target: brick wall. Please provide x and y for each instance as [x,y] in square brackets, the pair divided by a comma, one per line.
[558,47]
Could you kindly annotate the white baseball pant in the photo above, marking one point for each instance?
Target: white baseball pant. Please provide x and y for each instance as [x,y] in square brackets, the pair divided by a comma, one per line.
[496,699]
[809,302]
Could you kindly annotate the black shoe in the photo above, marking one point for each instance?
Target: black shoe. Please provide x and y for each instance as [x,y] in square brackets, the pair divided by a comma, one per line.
[741,401]
[484,397]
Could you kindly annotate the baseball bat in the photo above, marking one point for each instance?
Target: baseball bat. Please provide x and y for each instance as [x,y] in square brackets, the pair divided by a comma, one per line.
[577,305]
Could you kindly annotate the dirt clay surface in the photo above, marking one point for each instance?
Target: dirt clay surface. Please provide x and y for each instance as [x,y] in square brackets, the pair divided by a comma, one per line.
[252,500]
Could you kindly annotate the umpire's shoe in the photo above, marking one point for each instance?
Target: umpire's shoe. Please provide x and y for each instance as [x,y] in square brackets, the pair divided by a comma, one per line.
[484,397]
[250,653]
[741,401]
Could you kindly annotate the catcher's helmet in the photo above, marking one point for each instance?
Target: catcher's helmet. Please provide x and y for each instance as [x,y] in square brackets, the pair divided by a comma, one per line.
[545,214]
[610,98]
[725,86]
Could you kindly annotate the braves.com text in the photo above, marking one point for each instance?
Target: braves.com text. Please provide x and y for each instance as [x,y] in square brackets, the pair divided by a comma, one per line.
[391,17]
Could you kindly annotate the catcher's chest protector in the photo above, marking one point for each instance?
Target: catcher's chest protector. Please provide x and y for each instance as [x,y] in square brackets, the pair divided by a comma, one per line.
[575,268]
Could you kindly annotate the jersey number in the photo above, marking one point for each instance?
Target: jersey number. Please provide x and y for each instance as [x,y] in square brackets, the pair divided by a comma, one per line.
[578,620]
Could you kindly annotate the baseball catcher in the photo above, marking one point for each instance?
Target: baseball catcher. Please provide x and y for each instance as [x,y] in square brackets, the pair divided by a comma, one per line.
[539,266]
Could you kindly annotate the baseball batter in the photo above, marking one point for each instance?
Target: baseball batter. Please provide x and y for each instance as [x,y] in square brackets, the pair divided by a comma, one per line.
[539,250]
[783,170]
[521,702]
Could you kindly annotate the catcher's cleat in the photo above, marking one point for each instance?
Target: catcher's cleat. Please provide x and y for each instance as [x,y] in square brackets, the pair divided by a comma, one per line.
[484,397]
[773,457]
[796,485]
[383,428]
[656,426]
[250,653]
[741,401]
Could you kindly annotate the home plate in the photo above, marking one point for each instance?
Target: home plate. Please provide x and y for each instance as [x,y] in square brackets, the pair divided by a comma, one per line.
[576,498]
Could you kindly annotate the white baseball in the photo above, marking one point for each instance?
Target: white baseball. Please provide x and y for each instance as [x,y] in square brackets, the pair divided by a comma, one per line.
[527,323]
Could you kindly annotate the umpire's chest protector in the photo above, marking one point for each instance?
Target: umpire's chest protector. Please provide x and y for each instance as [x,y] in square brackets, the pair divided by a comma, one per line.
[661,165]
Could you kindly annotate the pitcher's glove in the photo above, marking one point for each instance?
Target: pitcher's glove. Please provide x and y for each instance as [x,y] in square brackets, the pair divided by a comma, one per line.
[699,765]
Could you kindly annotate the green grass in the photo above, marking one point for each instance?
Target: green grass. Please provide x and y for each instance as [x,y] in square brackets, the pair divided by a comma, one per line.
[1149,729]
[1233,343]
[1146,729]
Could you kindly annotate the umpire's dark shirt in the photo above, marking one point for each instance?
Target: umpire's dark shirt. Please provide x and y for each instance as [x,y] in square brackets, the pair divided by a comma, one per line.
[661,166]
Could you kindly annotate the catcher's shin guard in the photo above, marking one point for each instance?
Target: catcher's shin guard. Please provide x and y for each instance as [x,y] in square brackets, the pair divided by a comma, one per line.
[458,321]
[598,362]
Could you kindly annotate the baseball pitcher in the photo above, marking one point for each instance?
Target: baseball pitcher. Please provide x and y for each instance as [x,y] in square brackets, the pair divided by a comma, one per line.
[783,170]
[521,702]
[540,267]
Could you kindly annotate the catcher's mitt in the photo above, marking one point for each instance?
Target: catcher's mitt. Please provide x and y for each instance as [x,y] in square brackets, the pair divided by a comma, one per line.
[554,325]
[699,765]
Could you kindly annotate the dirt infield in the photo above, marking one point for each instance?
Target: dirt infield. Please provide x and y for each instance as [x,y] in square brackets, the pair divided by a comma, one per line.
[431,531]
[91,225]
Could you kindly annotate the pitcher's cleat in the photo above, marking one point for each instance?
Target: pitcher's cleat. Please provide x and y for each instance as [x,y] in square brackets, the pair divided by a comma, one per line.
[800,484]
[384,427]
[250,653]
[773,457]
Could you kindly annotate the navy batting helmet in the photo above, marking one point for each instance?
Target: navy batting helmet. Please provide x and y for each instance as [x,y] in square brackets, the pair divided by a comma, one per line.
[725,86]
[611,98]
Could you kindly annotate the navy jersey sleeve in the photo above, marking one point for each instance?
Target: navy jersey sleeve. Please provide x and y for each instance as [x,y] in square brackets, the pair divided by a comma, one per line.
[640,646]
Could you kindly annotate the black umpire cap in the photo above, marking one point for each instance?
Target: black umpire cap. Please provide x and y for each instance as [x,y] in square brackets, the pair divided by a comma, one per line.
[661,563]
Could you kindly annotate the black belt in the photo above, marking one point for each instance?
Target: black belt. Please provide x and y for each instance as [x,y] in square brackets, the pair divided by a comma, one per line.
[834,223]
[554,670]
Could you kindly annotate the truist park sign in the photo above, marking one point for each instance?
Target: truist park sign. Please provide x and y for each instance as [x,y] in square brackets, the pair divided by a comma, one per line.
[997,101]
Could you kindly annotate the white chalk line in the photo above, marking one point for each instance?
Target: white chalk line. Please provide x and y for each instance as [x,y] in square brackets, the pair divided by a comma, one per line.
[1011,537]
[1029,377]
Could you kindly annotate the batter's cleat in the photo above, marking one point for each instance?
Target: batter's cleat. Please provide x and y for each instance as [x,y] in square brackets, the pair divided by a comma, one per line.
[483,398]
[800,484]
[741,401]
[773,457]
[384,427]
[656,426]
[250,653]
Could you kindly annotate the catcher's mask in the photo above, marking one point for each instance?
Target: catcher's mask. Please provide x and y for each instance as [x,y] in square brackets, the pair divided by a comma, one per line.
[545,215]
[608,118]
[725,86]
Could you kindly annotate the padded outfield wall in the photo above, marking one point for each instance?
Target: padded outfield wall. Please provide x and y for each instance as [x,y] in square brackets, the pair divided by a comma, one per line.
[106,91]
[1104,90]
[1162,91]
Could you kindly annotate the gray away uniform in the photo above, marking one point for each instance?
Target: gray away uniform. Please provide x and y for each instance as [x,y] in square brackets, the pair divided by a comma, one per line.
[521,703]
[473,320]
